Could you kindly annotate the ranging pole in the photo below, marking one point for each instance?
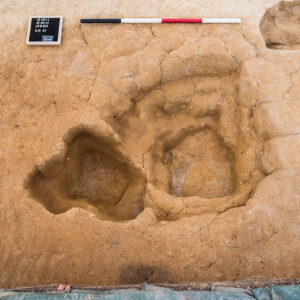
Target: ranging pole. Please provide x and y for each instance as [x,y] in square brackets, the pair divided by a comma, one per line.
[162,20]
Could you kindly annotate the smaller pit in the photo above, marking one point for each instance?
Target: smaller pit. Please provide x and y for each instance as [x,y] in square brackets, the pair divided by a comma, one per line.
[200,165]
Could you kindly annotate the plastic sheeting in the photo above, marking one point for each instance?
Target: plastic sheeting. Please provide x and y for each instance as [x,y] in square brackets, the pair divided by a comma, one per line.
[147,292]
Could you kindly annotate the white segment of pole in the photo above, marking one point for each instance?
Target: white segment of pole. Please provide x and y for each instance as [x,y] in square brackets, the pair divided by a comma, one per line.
[220,21]
[142,21]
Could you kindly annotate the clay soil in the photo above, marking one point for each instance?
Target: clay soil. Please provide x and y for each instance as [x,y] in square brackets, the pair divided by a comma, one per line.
[162,153]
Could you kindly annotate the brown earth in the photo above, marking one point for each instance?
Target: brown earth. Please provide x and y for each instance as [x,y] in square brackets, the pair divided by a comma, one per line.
[280,25]
[159,153]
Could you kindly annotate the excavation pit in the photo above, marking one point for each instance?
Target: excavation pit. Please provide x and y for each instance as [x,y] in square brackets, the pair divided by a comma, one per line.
[93,175]
[200,165]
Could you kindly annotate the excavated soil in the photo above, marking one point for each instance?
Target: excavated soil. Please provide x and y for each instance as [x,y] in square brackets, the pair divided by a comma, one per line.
[280,25]
[157,153]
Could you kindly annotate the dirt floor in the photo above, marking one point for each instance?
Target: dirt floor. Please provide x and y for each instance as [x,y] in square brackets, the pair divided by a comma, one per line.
[150,153]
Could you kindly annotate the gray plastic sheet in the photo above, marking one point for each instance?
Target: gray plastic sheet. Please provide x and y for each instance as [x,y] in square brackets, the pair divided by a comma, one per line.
[147,292]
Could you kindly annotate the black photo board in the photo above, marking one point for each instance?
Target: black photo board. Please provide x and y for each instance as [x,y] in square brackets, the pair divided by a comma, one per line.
[44,30]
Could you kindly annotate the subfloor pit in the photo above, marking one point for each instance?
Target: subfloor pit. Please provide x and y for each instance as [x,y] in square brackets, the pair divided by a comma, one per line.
[93,175]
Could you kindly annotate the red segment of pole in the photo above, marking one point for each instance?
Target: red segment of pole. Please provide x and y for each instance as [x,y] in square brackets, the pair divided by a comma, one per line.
[181,20]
